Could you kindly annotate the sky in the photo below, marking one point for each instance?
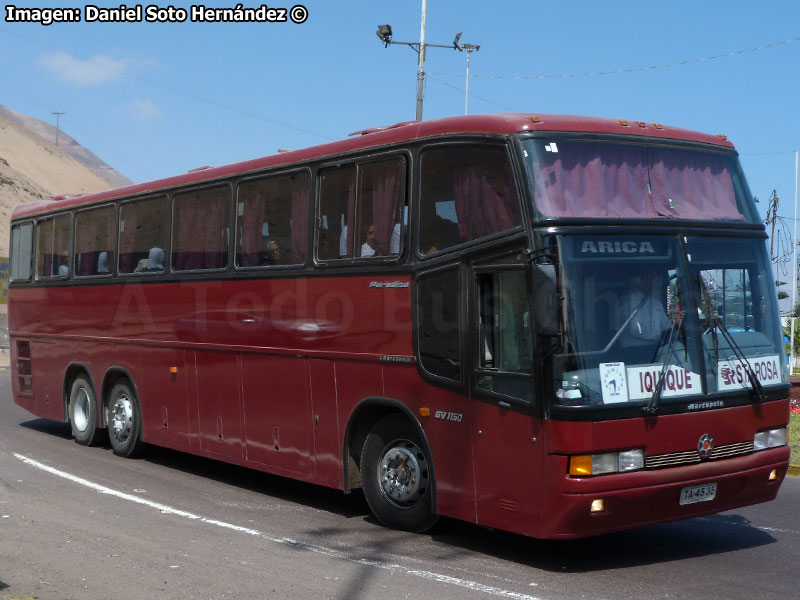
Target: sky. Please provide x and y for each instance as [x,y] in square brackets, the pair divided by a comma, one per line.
[158,99]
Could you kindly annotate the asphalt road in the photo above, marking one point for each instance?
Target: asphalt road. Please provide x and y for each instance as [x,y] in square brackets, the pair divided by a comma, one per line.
[80,522]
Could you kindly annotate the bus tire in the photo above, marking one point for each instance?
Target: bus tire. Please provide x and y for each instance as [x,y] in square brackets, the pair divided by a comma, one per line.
[83,411]
[396,476]
[124,420]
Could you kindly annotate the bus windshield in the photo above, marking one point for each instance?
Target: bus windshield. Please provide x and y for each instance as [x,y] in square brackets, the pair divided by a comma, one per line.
[607,179]
[692,311]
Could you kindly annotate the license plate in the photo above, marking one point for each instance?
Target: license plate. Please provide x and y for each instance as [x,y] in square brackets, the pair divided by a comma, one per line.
[698,493]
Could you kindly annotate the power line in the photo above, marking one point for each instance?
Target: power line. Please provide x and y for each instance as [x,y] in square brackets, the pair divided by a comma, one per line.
[632,69]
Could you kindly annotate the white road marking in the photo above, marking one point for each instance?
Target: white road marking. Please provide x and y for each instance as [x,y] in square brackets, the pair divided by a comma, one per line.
[339,555]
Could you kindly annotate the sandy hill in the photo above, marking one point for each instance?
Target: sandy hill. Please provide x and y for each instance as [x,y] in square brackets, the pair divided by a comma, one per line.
[33,168]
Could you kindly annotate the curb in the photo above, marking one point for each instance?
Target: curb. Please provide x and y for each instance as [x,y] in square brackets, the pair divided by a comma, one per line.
[793,470]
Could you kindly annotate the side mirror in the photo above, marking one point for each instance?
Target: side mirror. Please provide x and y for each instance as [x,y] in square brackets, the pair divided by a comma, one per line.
[545,300]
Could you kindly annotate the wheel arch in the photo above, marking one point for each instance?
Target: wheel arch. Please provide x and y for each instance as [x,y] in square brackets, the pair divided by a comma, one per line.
[364,416]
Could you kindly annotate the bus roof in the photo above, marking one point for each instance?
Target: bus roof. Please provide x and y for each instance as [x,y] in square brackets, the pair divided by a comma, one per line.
[497,124]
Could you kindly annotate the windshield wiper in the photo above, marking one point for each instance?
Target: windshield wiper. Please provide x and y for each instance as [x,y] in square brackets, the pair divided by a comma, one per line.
[677,323]
[758,389]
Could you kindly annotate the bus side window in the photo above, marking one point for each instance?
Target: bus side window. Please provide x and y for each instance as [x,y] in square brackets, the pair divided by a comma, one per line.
[94,241]
[21,252]
[200,229]
[380,208]
[272,216]
[52,252]
[504,340]
[142,228]
[337,199]
[466,193]
[438,323]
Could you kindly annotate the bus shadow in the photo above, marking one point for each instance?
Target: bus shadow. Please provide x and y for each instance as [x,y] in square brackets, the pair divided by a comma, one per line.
[259,482]
[54,428]
[694,538]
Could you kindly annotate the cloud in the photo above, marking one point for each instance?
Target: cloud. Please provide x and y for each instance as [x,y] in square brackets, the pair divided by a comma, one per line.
[79,71]
[144,110]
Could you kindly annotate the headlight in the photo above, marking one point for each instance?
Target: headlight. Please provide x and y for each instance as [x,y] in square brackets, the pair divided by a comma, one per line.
[772,438]
[609,462]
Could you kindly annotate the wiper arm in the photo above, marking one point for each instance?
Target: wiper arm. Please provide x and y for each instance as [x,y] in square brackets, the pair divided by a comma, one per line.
[674,331]
[758,389]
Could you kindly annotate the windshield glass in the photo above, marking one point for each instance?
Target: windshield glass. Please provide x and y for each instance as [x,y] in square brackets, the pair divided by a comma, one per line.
[600,179]
[687,310]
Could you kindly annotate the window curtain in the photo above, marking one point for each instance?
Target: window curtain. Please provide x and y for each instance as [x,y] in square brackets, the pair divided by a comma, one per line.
[485,202]
[202,219]
[127,239]
[86,245]
[385,201]
[691,185]
[255,206]
[595,180]
[299,229]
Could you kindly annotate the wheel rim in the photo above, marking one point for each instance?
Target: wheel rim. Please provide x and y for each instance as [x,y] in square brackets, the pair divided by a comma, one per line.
[403,474]
[80,410]
[122,418]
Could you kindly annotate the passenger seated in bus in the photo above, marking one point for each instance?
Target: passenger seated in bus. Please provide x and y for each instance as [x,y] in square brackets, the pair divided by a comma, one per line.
[370,246]
[642,307]
[63,271]
[102,263]
[272,256]
[153,263]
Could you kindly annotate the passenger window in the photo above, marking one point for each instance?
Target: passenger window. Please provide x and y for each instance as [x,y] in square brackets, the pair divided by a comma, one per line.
[142,236]
[52,250]
[21,252]
[504,339]
[94,241]
[200,229]
[466,193]
[380,208]
[438,323]
[272,217]
[336,213]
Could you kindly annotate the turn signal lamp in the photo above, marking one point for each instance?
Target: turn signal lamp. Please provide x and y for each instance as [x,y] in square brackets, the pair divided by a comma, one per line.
[584,465]
[772,438]
[598,505]
[424,411]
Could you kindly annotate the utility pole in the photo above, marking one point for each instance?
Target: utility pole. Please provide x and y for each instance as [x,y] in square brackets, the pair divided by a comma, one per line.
[385,34]
[57,114]
[771,220]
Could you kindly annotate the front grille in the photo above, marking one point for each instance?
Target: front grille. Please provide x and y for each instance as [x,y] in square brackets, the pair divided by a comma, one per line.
[675,459]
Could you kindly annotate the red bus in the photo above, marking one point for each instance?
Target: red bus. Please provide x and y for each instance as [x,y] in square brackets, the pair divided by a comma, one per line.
[556,326]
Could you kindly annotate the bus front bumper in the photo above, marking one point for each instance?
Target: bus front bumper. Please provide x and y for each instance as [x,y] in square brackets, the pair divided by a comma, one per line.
[592,506]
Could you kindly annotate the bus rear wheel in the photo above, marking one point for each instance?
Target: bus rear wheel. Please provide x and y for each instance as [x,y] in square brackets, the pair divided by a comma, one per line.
[396,477]
[124,420]
[83,411]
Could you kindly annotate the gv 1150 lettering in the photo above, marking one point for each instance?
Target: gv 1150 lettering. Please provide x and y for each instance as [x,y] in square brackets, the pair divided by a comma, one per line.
[449,416]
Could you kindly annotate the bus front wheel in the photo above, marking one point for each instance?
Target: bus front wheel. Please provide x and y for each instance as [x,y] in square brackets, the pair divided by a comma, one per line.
[124,420]
[396,477]
[83,411]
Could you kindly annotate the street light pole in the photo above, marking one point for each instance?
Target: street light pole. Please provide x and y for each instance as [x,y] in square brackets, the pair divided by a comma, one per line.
[385,34]
[469,48]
